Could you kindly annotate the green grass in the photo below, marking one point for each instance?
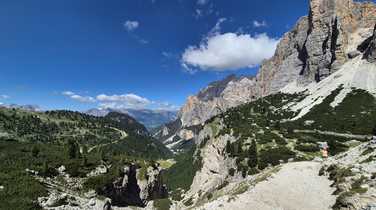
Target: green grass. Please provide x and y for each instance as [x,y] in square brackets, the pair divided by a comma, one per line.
[181,174]
[162,204]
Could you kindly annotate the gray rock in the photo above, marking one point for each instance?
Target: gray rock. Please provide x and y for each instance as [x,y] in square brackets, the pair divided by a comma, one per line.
[370,53]
[353,54]
[92,202]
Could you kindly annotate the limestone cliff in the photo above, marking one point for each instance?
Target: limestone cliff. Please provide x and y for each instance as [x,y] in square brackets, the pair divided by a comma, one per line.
[318,45]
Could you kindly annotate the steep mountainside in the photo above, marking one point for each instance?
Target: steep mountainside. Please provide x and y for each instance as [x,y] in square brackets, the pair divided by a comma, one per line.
[127,122]
[335,33]
[316,47]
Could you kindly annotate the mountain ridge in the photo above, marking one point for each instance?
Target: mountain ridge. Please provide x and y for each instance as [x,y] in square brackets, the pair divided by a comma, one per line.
[150,118]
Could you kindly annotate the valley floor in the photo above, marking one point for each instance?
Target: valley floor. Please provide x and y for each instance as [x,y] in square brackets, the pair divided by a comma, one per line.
[297,186]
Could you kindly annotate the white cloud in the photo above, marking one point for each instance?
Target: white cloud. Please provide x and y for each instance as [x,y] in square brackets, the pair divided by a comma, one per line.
[131,25]
[123,101]
[143,41]
[4,97]
[83,99]
[259,24]
[204,9]
[79,98]
[202,2]
[198,13]
[168,55]
[68,93]
[217,28]
[229,51]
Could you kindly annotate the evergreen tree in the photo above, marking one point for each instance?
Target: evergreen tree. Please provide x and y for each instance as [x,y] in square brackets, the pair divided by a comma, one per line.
[45,170]
[72,149]
[252,152]
[374,131]
[244,172]
[277,125]
[228,148]
[35,151]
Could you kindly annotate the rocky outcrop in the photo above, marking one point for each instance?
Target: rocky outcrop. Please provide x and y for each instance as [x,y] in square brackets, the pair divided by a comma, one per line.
[133,185]
[133,188]
[167,130]
[370,53]
[216,98]
[316,47]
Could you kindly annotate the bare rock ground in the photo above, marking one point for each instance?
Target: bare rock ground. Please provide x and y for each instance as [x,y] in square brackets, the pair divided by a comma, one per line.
[297,186]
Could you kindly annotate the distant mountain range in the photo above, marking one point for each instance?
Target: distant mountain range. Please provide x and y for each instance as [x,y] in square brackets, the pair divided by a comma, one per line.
[30,108]
[150,118]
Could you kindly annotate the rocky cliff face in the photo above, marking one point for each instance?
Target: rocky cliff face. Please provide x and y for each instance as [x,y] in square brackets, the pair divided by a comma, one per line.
[370,53]
[216,98]
[317,46]
[131,189]
[134,186]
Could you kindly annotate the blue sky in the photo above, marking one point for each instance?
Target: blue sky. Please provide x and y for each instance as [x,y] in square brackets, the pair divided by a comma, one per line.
[80,54]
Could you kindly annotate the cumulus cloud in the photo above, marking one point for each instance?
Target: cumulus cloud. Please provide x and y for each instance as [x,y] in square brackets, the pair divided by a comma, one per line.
[4,96]
[229,51]
[68,93]
[79,98]
[259,24]
[83,99]
[131,25]
[123,101]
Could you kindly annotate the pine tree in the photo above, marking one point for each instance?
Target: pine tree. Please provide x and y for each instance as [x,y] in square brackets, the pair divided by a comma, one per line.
[228,148]
[72,149]
[244,172]
[252,152]
[277,125]
[35,151]
[374,130]
[45,169]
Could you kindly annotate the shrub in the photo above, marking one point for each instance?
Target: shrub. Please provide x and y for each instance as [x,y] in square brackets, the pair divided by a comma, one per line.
[253,171]
[35,151]
[231,171]
[252,158]
[307,147]
[274,155]
[162,204]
